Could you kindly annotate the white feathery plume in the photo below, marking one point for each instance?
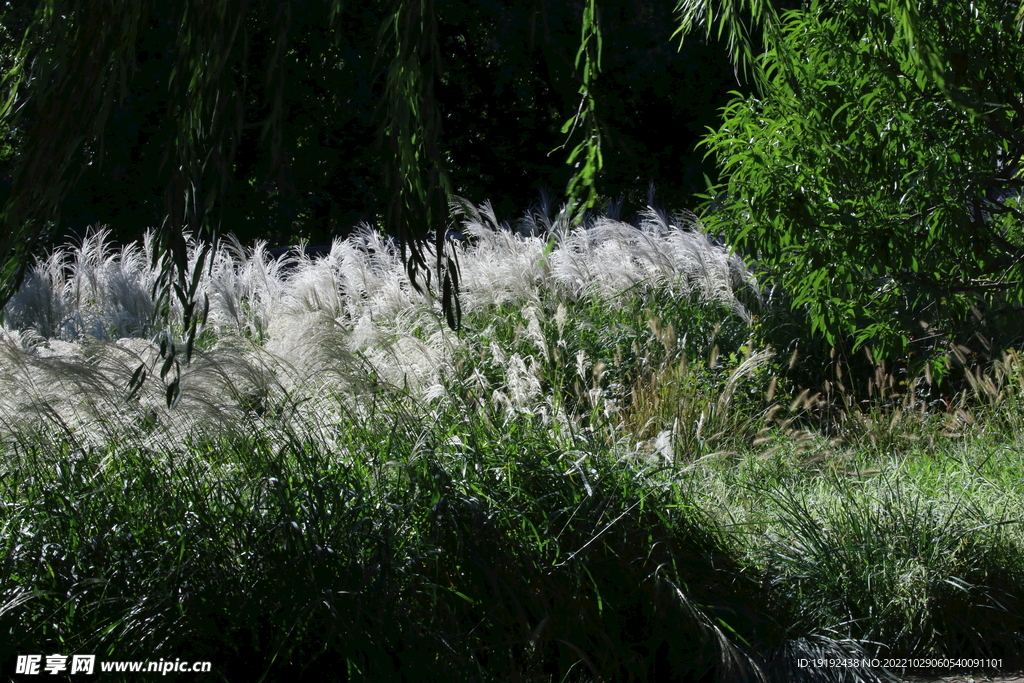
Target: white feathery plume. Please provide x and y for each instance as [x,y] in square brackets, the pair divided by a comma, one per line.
[292,326]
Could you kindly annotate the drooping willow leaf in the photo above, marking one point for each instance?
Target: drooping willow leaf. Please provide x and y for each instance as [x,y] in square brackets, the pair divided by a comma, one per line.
[415,179]
[586,155]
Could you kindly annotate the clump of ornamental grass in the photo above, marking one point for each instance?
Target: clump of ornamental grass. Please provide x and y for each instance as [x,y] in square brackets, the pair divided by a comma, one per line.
[993,398]
[80,392]
[890,413]
[692,409]
[885,421]
[407,541]
[89,291]
[275,325]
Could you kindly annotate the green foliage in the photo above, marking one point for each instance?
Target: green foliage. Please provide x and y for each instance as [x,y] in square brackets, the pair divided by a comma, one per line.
[875,179]
[13,22]
[893,563]
[731,19]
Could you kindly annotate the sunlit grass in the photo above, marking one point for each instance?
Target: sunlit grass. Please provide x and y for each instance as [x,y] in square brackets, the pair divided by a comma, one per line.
[600,477]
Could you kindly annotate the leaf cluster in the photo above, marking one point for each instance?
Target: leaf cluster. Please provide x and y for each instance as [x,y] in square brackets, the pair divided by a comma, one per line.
[876,177]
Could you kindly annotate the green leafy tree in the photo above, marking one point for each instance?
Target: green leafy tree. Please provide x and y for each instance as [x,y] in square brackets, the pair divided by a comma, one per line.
[876,174]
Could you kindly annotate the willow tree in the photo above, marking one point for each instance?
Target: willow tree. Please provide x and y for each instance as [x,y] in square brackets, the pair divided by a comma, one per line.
[877,174]
[78,59]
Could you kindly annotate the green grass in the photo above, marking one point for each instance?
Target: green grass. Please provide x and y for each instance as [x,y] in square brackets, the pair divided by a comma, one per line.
[496,555]
[575,488]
